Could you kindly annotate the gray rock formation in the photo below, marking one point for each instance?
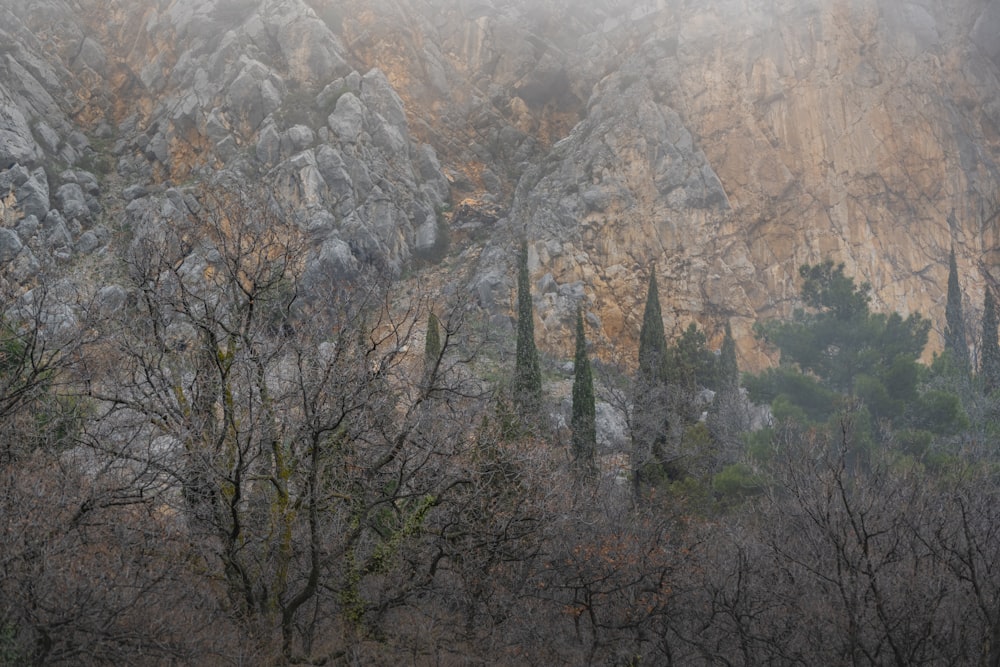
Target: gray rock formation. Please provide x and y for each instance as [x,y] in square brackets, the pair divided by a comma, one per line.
[733,144]
[10,245]
[17,145]
[723,143]
[33,194]
[71,201]
[347,118]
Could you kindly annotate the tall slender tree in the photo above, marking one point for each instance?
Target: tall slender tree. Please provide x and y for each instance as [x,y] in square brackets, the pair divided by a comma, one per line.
[729,417]
[527,372]
[653,353]
[432,345]
[584,412]
[989,368]
[650,406]
[729,370]
[954,330]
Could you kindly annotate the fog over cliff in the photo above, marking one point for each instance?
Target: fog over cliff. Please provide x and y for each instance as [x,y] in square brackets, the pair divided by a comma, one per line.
[724,143]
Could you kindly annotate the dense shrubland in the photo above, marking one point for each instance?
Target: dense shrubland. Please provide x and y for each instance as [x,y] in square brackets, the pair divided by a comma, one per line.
[212,466]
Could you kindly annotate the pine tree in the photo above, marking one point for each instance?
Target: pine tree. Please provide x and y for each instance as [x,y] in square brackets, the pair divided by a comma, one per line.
[954,331]
[584,413]
[990,355]
[830,354]
[527,373]
[432,346]
[691,367]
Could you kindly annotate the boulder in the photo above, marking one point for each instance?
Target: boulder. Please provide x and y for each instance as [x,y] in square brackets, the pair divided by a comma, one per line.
[378,96]
[269,145]
[33,195]
[310,49]
[347,118]
[52,220]
[17,145]
[334,262]
[86,180]
[362,178]
[309,181]
[90,56]
[318,223]
[59,237]
[427,235]
[47,137]
[252,96]
[71,201]
[612,428]
[297,138]
[353,82]
[134,191]
[390,139]
[27,227]
[10,245]
[331,93]
[13,178]
[158,149]
[87,243]
[334,171]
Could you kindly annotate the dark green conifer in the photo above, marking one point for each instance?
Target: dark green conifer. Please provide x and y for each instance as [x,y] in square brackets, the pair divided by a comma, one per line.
[728,418]
[584,416]
[954,330]
[432,346]
[990,357]
[651,405]
[729,370]
[652,339]
[527,373]
[693,363]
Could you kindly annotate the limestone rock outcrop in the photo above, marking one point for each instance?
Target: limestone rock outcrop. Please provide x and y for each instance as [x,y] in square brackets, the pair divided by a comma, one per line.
[722,143]
[737,141]
[177,92]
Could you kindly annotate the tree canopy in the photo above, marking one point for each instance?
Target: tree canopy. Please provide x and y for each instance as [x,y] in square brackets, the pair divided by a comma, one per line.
[837,347]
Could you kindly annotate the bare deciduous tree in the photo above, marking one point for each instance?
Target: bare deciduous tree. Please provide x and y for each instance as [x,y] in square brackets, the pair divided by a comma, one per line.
[299,444]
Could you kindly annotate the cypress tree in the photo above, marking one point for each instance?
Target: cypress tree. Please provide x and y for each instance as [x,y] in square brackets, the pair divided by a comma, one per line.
[527,373]
[432,346]
[954,330]
[990,356]
[651,424]
[584,413]
[652,339]
[728,418]
[729,371]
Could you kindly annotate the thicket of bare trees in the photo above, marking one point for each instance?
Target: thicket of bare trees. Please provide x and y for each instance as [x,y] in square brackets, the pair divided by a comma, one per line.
[216,463]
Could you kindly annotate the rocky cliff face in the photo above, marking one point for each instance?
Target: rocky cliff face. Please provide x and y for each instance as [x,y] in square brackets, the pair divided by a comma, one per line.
[865,132]
[735,141]
[723,143]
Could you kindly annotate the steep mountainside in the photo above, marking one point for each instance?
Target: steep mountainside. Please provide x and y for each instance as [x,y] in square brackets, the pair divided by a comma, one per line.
[723,142]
